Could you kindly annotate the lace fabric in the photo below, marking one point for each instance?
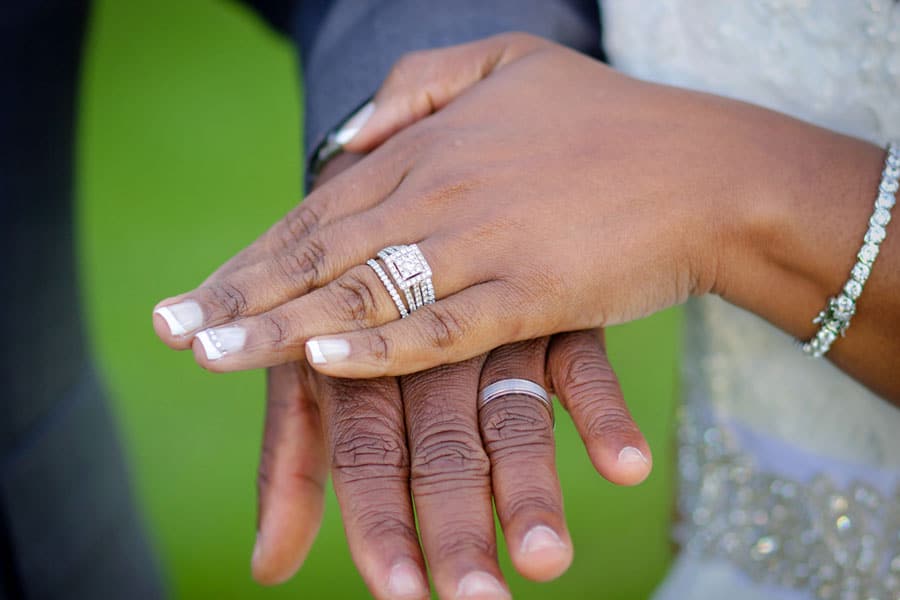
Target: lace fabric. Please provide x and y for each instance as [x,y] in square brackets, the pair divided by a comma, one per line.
[784,419]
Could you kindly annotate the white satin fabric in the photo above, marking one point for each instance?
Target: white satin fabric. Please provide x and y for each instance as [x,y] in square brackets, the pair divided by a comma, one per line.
[835,63]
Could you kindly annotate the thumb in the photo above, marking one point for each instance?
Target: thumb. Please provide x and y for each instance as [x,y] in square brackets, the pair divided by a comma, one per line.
[422,82]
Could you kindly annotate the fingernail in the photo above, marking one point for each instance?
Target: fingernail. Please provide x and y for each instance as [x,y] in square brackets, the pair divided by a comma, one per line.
[257,548]
[222,340]
[630,455]
[405,581]
[541,538]
[479,584]
[354,124]
[327,351]
[181,318]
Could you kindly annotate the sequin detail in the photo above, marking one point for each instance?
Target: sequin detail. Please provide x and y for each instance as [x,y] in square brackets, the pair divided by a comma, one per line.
[838,543]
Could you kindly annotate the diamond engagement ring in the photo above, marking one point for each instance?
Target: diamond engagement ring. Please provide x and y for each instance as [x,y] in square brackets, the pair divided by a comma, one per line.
[524,387]
[410,273]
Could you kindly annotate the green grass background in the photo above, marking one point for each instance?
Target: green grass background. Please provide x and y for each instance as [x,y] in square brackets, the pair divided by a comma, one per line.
[189,147]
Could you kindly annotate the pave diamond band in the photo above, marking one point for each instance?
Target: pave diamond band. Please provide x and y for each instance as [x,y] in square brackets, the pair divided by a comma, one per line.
[523,387]
[410,273]
[835,319]
[389,286]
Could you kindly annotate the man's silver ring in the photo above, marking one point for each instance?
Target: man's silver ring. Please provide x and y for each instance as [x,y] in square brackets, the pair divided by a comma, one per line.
[524,387]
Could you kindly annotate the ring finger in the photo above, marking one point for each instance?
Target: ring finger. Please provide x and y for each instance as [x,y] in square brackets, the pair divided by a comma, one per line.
[517,430]
[358,299]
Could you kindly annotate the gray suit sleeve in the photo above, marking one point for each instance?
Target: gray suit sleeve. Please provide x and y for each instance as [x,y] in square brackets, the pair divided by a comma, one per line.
[348,46]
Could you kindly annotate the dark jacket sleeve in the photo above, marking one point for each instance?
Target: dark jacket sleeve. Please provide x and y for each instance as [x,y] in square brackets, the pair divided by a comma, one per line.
[347,47]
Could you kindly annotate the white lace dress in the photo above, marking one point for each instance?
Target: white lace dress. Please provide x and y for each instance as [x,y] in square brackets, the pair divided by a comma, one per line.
[790,471]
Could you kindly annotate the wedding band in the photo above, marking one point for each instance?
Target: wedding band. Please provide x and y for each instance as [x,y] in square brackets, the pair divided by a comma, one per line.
[389,286]
[411,274]
[524,387]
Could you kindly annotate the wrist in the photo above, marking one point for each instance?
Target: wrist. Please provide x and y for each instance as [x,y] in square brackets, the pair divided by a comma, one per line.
[799,225]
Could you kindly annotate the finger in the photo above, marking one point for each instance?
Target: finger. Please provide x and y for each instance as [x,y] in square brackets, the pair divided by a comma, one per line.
[450,480]
[588,388]
[306,249]
[424,81]
[302,219]
[453,329]
[518,436]
[356,300]
[370,467]
[292,473]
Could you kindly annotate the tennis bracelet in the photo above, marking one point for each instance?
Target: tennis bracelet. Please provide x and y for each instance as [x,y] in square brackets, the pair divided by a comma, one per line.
[835,319]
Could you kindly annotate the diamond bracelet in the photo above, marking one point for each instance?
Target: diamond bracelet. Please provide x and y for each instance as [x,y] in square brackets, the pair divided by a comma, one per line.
[835,319]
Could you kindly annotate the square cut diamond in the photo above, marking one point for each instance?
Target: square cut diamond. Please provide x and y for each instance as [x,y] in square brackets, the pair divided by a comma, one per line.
[410,265]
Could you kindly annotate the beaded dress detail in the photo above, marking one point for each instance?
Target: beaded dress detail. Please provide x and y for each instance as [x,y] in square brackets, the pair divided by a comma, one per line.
[790,470]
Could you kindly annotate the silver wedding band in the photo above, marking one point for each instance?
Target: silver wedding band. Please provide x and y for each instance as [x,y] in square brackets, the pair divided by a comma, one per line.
[524,387]
[410,275]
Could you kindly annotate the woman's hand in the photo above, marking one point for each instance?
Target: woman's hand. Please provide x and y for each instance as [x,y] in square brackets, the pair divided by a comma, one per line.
[555,194]
[422,439]
[543,197]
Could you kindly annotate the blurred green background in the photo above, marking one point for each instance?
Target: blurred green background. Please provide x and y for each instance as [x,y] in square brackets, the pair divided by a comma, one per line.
[189,147]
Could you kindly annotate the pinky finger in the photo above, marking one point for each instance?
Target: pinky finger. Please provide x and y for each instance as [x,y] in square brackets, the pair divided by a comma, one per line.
[292,474]
[588,388]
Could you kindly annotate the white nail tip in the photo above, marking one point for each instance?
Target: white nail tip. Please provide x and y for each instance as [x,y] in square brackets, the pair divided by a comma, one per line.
[541,538]
[181,318]
[631,455]
[224,340]
[327,351]
[354,124]
[479,583]
[405,581]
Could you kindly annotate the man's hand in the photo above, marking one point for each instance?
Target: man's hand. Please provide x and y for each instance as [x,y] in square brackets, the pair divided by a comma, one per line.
[422,439]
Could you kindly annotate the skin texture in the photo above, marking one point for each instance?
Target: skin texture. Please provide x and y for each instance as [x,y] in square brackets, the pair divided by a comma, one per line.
[389,442]
[551,193]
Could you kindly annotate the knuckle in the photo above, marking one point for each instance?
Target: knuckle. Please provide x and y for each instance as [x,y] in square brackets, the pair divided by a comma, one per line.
[443,328]
[458,538]
[381,347]
[607,421]
[380,520]
[277,331]
[297,225]
[304,267]
[230,298]
[355,299]
[517,426]
[365,444]
[584,379]
[526,500]
[445,453]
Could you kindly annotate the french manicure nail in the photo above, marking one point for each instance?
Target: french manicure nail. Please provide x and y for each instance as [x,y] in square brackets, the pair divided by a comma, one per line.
[222,340]
[405,581]
[630,455]
[354,124]
[541,538]
[479,584]
[327,350]
[181,318]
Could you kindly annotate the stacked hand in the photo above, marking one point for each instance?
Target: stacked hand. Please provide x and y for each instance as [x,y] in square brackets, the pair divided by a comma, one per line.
[390,441]
[549,193]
